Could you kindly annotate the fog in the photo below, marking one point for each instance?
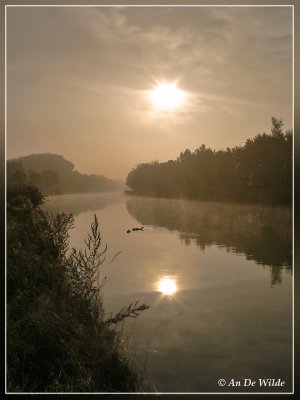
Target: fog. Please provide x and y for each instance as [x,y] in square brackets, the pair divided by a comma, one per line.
[77,80]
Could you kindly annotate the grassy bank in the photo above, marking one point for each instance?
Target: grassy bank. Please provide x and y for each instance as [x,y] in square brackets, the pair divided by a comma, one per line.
[58,336]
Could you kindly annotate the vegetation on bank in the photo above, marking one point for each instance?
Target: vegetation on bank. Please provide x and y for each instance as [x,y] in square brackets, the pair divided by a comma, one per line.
[52,174]
[59,338]
[260,171]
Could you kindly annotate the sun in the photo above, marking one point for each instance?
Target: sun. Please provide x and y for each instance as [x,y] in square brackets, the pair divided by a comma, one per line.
[167,286]
[167,96]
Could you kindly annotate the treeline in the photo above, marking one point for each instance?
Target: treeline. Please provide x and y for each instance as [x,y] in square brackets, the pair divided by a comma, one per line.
[52,174]
[259,171]
[59,338]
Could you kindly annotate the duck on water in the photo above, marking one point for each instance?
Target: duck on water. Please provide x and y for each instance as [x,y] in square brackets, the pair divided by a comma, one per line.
[135,229]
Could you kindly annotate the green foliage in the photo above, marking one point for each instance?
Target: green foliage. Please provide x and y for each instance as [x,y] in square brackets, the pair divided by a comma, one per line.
[52,174]
[47,180]
[46,161]
[58,338]
[15,172]
[131,311]
[260,171]
[23,197]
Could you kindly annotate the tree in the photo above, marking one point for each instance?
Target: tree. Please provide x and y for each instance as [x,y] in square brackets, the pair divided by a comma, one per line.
[259,171]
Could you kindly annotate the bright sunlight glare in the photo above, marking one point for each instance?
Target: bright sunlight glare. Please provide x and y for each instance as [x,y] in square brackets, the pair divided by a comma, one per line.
[167,286]
[167,96]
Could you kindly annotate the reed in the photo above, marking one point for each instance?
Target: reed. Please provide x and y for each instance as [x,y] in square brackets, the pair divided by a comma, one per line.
[58,336]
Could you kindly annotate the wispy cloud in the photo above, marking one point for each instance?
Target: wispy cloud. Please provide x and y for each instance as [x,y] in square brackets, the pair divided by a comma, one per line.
[71,70]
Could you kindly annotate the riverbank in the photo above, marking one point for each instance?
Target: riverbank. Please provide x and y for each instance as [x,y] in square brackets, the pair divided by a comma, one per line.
[261,171]
[59,338]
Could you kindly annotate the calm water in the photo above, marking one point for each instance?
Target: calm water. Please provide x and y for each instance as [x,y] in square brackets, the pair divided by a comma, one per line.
[231,265]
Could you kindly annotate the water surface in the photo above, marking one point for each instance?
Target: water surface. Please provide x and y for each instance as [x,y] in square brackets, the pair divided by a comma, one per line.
[231,265]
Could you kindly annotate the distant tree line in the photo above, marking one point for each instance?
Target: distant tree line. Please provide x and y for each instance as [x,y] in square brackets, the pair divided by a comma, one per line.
[259,171]
[52,174]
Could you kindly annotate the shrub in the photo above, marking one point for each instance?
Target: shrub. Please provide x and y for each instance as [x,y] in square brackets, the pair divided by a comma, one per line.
[58,339]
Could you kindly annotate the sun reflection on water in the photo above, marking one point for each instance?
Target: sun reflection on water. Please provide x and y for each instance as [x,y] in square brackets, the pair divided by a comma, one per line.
[167,286]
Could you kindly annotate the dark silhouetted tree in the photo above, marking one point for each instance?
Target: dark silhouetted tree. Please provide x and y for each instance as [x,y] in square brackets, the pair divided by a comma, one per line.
[259,171]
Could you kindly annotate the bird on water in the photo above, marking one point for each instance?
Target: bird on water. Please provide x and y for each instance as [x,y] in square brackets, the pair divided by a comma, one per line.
[135,229]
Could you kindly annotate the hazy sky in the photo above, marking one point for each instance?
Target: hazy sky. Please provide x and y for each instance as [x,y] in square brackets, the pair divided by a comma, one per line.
[77,80]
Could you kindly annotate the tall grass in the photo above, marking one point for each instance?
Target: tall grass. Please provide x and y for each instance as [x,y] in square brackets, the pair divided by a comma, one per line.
[58,336]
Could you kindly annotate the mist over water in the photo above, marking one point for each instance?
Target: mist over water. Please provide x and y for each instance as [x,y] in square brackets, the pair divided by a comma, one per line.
[217,277]
[172,102]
